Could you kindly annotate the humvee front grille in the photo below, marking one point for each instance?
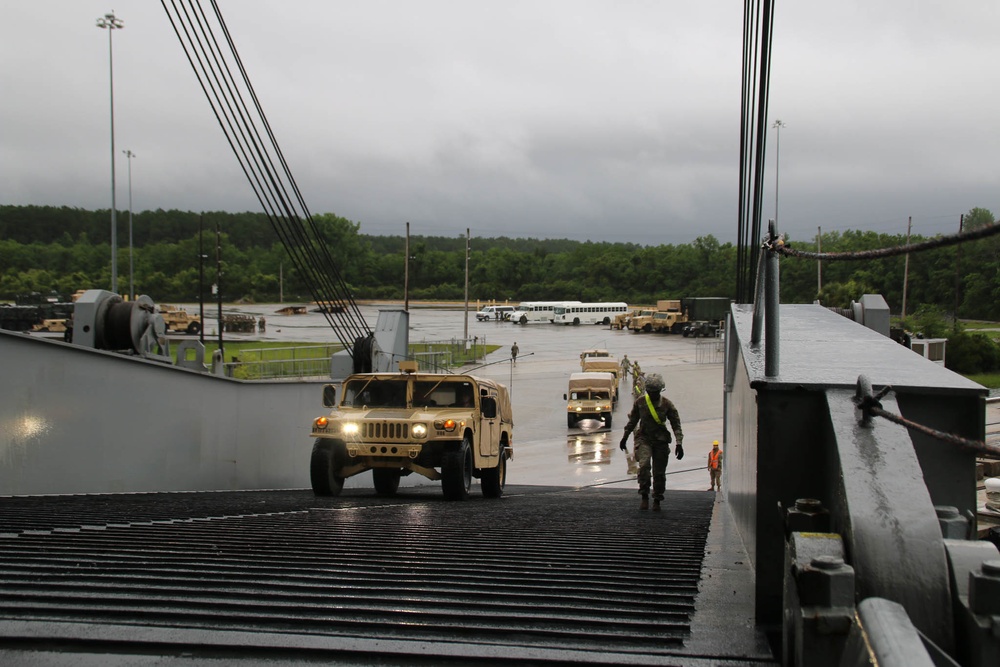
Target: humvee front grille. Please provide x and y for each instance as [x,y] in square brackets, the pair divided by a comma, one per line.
[385,431]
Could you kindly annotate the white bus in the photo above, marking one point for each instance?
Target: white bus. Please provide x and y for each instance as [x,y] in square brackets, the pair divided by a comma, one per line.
[589,313]
[536,311]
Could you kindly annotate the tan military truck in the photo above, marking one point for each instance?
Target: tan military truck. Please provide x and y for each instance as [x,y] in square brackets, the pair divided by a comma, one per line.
[591,396]
[667,318]
[442,426]
[179,320]
[600,361]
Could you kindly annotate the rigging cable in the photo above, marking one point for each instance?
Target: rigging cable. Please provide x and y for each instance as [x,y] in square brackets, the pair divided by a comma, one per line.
[306,246]
[757,37]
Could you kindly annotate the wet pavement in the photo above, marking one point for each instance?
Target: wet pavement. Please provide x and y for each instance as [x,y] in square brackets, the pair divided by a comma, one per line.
[546,451]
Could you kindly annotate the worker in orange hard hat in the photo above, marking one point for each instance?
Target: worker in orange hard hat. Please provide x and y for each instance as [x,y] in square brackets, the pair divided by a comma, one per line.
[715,466]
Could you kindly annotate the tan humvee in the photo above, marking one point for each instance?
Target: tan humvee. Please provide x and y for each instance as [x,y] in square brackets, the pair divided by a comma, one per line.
[178,319]
[58,325]
[591,396]
[442,426]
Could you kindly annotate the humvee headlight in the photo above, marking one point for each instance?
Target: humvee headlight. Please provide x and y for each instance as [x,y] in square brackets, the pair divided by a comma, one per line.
[419,430]
[350,428]
[579,409]
[321,422]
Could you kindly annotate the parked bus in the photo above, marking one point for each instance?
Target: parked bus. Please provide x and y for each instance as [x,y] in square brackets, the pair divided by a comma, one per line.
[536,311]
[589,313]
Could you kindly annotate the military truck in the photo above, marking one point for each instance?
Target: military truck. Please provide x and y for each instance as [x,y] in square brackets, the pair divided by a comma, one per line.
[178,319]
[445,427]
[668,317]
[591,396]
[705,315]
[607,364]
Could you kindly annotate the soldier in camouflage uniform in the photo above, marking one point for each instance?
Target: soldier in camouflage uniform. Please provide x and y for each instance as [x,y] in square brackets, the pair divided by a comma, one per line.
[650,413]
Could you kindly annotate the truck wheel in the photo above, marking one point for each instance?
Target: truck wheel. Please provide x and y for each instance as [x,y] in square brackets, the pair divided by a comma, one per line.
[607,320]
[607,419]
[524,319]
[576,321]
[456,472]
[386,481]
[194,328]
[570,420]
[323,469]
[492,480]
[647,327]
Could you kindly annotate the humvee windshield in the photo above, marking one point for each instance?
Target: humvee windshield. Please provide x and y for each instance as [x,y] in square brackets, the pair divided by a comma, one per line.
[375,393]
[441,393]
[391,393]
[590,395]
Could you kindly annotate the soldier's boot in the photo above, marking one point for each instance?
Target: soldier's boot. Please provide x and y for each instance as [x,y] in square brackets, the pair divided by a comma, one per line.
[656,505]
[644,503]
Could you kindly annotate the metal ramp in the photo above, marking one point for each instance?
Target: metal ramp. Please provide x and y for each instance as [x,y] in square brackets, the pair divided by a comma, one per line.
[546,575]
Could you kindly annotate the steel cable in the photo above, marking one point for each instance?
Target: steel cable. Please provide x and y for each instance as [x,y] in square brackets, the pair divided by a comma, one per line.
[939,242]
[309,254]
[869,405]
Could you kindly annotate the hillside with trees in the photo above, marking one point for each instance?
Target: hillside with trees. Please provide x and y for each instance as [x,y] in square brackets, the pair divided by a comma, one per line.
[61,249]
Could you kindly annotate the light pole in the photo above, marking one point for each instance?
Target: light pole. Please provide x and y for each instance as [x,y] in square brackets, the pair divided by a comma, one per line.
[110,22]
[778,124]
[131,265]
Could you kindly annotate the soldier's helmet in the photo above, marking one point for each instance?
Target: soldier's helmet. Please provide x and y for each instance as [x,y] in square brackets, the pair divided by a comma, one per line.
[654,383]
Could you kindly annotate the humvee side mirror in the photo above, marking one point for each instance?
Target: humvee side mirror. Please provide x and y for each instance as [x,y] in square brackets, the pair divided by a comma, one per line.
[564,397]
[329,395]
[489,407]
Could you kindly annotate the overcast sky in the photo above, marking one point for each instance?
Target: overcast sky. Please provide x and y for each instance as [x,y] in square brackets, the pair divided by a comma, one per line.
[614,120]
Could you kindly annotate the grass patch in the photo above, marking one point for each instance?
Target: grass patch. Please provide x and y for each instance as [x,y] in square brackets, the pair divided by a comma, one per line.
[255,360]
[988,380]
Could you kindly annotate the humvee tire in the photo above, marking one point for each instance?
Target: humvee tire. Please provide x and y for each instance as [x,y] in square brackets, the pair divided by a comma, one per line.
[321,467]
[607,419]
[570,420]
[194,328]
[492,480]
[386,480]
[456,472]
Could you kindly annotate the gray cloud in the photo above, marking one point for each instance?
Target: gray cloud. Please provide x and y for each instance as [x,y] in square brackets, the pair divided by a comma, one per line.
[583,119]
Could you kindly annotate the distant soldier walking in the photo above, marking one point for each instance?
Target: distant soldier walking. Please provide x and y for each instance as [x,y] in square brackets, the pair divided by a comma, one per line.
[513,352]
[648,418]
[626,367]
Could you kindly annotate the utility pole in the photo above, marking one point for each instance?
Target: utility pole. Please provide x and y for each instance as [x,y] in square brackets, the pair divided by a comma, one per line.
[466,287]
[131,264]
[110,22]
[218,284]
[201,278]
[406,271]
[958,278]
[906,264]
[819,262]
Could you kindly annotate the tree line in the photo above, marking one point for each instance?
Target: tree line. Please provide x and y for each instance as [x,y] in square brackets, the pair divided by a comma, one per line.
[61,249]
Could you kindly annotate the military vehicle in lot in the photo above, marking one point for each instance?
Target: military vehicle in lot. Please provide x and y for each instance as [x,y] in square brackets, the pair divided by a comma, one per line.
[445,427]
[180,320]
[667,318]
[591,396]
[600,361]
[705,316]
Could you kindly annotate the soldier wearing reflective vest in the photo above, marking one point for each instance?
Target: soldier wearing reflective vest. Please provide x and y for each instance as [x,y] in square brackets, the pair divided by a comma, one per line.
[648,418]
[715,466]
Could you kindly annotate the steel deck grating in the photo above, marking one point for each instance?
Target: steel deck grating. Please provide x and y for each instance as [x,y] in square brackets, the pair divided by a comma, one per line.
[558,570]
